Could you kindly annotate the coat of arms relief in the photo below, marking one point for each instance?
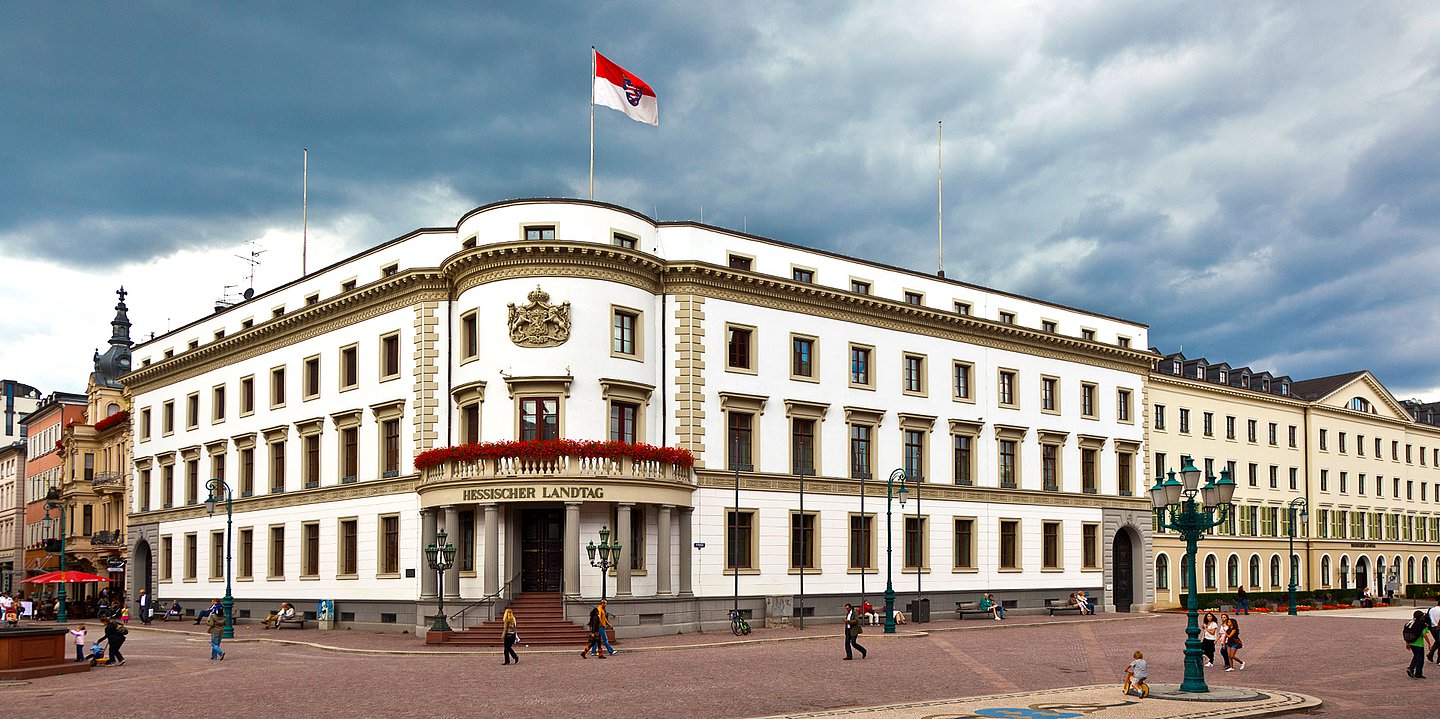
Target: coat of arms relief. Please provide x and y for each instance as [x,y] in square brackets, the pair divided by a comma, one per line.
[539,323]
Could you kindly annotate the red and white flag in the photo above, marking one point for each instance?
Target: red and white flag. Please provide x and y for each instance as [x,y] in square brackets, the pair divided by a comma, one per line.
[615,88]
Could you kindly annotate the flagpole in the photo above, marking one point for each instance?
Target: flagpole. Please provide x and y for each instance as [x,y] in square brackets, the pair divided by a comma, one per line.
[304,209]
[940,185]
[592,122]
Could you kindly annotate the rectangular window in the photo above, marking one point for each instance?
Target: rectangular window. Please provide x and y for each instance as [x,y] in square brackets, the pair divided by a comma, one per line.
[188,570]
[311,375]
[1344,482]
[916,549]
[1208,420]
[465,543]
[1089,470]
[217,404]
[167,472]
[470,423]
[145,426]
[469,335]
[1274,434]
[349,367]
[539,233]
[914,374]
[192,481]
[860,375]
[1047,326]
[390,545]
[1048,392]
[802,540]
[144,490]
[390,270]
[1125,473]
[390,356]
[1274,477]
[1007,318]
[311,473]
[914,298]
[965,543]
[1050,467]
[390,438]
[277,551]
[1341,436]
[1050,545]
[740,440]
[277,466]
[1009,544]
[167,558]
[1090,546]
[860,287]
[861,450]
[539,418]
[1229,427]
[310,542]
[349,540]
[247,395]
[349,454]
[217,555]
[1122,405]
[277,387]
[914,454]
[1160,417]
[1254,475]
[802,357]
[622,332]
[245,554]
[1184,421]
[739,348]
[192,411]
[1250,430]
[739,540]
[1087,400]
[802,446]
[1006,389]
[1006,463]
[964,459]
[1293,440]
[962,308]
[1322,440]
[963,381]
[740,262]
[862,541]
[622,422]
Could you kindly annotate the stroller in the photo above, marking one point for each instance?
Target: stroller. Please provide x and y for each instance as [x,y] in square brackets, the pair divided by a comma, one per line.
[97,655]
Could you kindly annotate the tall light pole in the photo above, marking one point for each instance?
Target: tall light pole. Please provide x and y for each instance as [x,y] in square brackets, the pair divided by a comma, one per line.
[52,501]
[801,470]
[214,486]
[733,550]
[920,546]
[890,548]
[1176,508]
[864,523]
[1294,503]
[609,556]
[440,555]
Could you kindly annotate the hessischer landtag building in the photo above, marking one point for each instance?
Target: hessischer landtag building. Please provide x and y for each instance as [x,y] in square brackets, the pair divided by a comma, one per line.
[547,368]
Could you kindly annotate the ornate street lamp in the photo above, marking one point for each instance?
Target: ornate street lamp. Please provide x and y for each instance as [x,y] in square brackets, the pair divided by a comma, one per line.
[733,550]
[1176,508]
[214,486]
[440,555]
[898,474]
[52,501]
[1294,503]
[609,556]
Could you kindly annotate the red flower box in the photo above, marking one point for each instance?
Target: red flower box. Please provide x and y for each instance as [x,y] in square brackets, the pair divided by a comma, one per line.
[549,449]
[111,421]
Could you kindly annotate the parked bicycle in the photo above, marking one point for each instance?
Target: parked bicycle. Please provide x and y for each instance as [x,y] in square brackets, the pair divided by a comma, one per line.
[738,625]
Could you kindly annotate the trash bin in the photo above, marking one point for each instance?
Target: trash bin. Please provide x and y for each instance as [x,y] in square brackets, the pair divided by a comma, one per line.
[924,613]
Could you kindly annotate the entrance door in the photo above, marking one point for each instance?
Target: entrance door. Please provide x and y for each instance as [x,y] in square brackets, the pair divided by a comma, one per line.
[1362,574]
[1123,572]
[542,551]
[144,572]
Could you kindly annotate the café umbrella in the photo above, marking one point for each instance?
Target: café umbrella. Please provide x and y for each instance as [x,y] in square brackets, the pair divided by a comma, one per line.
[67,576]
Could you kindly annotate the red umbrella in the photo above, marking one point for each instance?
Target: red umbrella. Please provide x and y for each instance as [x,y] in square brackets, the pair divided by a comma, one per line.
[69,576]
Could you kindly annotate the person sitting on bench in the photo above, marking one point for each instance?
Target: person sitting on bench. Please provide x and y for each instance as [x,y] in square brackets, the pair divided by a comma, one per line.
[215,608]
[285,613]
[990,604]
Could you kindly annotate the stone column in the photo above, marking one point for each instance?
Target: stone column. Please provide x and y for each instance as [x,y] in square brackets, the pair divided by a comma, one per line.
[572,549]
[452,532]
[622,535]
[492,549]
[662,553]
[686,545]
[427,535]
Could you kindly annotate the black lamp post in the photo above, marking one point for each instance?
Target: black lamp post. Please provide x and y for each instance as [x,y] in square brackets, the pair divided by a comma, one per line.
[440,555]
[920,546]
[214,486]
[1176,508]
[52,501]
[890,547]
[733,551]
[609,556]
[1294,503]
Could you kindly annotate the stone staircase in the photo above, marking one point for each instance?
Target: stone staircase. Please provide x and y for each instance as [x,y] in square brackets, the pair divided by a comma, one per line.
[539,619]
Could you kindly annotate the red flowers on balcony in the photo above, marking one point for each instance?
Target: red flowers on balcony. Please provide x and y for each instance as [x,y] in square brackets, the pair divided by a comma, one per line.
[545,449]
[111,421]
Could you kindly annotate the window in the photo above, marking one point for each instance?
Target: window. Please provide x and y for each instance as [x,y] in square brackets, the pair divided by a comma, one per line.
[1089,470]
[311,388]
[349,541]
[1274,429]
[914,298]
[1184,421]
[192,411]
[390,448]
[390,356]
[1007,318]
[1229,428]
[1090,546]
[469,335]
[1009,544]
[539,233]
[217,555]
[1087,335]
[347,286]
[390,545]
[622,421]
[1050,545]
[1210,572]
[860,375]
[1162,572]
[145,426]
[1007,464]
[1293,430]
[167,557]
[310,545]
[349,454]
[860,287]
[313,299]
[277,552]
[1322,439]
[741,262]
[1208,424]
[965,544]
[862,541]
[217,404]
[624,241]
[145,490]
[1050,467]
[1048,391]
[390,270]
[622,333]
[192,481]
[1122,341]
[740,441]
[802,540]
[1087,400]
[1274,477]
[1341,435]
[802,275]
[964,459]
[916,549]
[247,471]
[963,377]
[802,357]
[861,448]
[277,312]
[739,540]
[1125,472]
[739,346]
[277,466]
[247,396]
[1250,433]
[914,454]
[539,418]
[802,446]
[1047,326]
[470,422]
[1122,405]
[914,375]
[962,308]
[1360,404]
[246,552]
[349,367]
[167,487]
[1254,475]
[1006,389]
[1160,417]
[311,473]
[277,387]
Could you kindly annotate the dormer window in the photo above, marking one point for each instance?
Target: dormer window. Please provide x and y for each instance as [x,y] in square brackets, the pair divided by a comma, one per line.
[1284,389]
[1224,377]
[1200,371]
[1175,367]
[1360,404]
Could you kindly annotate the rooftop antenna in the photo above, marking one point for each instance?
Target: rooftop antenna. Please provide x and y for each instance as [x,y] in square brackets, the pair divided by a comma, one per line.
[254,260]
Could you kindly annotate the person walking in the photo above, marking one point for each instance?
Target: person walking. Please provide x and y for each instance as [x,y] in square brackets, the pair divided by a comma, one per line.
[1209,629]
[1221,628]
[594,627]
[1416,639]
[852,630]
[143,603]
[1242,602]
[605,627]
[114,637]
[510,636]
[1233,646]
[1434,616]
[215,623]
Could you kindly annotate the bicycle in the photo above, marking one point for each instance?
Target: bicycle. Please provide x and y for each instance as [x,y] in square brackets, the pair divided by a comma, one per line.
[738,625]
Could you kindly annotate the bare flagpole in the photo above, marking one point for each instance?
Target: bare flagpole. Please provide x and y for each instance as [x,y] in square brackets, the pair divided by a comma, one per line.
[940,184]
[304,210]
[592,122]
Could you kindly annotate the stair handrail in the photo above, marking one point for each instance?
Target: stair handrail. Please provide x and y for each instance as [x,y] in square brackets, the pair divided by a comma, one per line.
[488,598]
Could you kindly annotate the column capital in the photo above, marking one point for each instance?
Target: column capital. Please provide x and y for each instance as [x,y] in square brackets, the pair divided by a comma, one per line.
[624,504]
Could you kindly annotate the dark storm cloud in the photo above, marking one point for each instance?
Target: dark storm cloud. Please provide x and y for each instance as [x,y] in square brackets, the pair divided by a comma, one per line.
[1257,181]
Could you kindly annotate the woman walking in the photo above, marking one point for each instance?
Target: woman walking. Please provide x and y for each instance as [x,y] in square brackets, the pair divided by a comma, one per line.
[1221,629]
[1233,645]
[510,636]
[216,625]
[114,637]
[1208,631]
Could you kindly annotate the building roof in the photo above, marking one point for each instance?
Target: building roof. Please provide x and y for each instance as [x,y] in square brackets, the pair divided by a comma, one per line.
[1313,389]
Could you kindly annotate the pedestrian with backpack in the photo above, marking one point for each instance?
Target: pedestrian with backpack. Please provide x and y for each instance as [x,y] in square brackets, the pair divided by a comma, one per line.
[1416,638]
[114,637]
[1434,616]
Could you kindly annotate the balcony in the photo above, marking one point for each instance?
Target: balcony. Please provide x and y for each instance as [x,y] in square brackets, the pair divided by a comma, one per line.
[108,481]
[555,470]
[563,466]
[112,538]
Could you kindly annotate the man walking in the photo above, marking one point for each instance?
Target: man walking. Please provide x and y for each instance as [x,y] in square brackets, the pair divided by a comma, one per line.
[216,626]
[144,605]
[1434,617]
[852,630]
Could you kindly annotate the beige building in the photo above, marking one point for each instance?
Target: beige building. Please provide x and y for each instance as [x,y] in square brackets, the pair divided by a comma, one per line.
[1366,471]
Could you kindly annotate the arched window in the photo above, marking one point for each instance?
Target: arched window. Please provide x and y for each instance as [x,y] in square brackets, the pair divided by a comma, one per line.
[111,409]
[1424,570]
[1360,404]
[1232,571]
[1162,572]
[1344,572]
[1185,571]
[1295,569]
[1255,571]
[1209,571]
[1325,571]
[1410,571]
[1274,571]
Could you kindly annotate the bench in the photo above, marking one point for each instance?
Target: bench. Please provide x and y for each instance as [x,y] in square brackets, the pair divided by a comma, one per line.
[297,622]
[964,608]
[1061,605]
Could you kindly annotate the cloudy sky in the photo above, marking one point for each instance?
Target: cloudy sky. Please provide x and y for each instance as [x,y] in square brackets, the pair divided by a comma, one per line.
[1259,182]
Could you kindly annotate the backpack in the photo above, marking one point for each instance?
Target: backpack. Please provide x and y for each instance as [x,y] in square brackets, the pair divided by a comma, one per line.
[1411,632]
[121,630]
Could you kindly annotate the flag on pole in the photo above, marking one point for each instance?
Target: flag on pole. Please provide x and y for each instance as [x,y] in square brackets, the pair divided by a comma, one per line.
[615,88]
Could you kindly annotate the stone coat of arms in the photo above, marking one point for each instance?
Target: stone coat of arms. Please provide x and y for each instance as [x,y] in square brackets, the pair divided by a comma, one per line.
[539,324]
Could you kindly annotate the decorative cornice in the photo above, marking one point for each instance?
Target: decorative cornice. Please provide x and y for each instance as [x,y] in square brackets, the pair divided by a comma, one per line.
[585,260]
[296,498]
[718,479]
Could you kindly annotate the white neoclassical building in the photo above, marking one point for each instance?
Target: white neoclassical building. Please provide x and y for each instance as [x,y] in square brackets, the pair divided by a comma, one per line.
[1021,421]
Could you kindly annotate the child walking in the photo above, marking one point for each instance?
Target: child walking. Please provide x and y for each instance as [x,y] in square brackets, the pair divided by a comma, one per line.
[79,634]
[1135,675]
